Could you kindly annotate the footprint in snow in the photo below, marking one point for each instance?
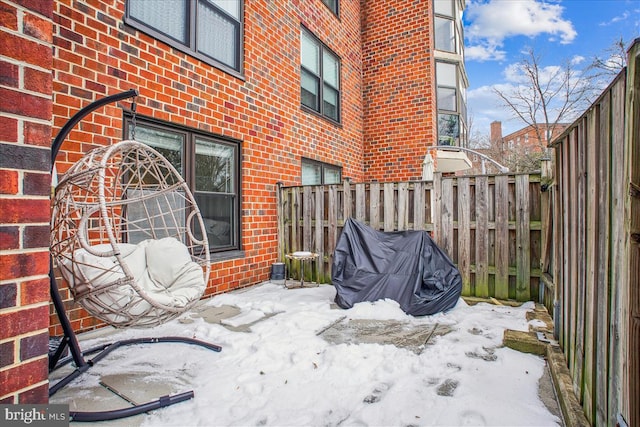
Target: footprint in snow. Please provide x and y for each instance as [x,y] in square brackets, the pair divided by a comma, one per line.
[447,387]
[472,418]
[488,356]
[377,393]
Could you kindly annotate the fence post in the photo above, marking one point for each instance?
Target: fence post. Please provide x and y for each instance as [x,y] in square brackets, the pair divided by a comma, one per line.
[436,208]
[281,222]
[546,216]
[632,154]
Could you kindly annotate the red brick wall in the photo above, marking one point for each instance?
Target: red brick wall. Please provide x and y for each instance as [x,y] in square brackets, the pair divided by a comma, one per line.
[96,54]
[25,186]
[398,74]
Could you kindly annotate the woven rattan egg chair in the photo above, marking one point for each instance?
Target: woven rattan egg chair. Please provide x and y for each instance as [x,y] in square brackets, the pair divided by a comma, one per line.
[128,236]
[129,240]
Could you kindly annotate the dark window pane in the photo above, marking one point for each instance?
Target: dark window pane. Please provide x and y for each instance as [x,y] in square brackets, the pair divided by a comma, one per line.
[330,102]
[445,38]
[311,173]
[219,215]
[330,69]
[169,144]
[448,129]
[332,175]
[232,7]
[309,53]
[446,98]
[332,4]
[446,74]
[218,36]
[167,16]
[443,7]
[310,90]
[215,167]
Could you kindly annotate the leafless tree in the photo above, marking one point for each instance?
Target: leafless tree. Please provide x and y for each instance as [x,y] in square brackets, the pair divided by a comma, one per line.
[545,96]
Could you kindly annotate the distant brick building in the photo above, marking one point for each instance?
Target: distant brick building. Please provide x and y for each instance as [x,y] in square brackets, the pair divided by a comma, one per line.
[522,149]
[527,138]
[296,91]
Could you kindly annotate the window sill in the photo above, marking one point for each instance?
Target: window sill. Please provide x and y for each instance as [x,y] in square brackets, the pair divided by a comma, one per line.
[225,256]
[317,114]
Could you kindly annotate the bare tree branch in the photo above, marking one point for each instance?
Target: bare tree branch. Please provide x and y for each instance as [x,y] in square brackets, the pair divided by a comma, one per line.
[613,61]
[549,95]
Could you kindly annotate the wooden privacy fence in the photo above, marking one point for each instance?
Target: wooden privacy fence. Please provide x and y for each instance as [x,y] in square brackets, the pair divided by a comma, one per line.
[489,225]
[595,257]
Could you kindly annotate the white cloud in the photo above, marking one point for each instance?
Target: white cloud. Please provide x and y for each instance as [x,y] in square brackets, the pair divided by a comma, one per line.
[578,59]
[492,21]
[485,107]
[515,73]
[625,15]
[484,53]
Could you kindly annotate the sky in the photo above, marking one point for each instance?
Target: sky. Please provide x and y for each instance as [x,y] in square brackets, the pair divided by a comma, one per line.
[282,371]
[498,32]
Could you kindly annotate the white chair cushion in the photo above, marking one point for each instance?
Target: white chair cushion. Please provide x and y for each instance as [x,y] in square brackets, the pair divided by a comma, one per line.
[162,268]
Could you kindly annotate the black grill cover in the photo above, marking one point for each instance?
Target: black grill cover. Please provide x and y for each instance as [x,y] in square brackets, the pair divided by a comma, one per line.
[405,266]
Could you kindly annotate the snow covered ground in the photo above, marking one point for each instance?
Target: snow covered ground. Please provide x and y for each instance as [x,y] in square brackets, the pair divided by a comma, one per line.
[280,371]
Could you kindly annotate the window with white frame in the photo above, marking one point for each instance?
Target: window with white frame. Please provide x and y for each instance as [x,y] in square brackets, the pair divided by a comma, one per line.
[210,166]
[210,30]
[447,101]
[445,26]
[445,34]
[318,173]
[319,77]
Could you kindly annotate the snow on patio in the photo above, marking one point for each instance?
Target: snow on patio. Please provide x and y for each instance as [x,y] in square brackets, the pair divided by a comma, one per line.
[292,358]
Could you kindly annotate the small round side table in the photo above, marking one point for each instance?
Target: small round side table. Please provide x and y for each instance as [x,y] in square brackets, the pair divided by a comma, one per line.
[303,257]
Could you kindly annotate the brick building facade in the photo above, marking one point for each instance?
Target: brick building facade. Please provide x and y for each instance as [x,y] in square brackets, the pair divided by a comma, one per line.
[346,86]
[398,91]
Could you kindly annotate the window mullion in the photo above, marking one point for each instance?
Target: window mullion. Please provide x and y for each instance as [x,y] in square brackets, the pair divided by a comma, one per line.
[190,161]
[239,26]
[194,5]
[321,77]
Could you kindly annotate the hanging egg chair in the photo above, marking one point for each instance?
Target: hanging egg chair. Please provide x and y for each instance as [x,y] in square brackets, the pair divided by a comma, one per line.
[128,236]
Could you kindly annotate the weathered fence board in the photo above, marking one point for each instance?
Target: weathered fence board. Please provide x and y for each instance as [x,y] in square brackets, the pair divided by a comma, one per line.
[602,283]
[523,251]
[389,206]
[319,231]
[447,216]
[502,238]
[464,234]
[374,208]
[482,237]
[591,268]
